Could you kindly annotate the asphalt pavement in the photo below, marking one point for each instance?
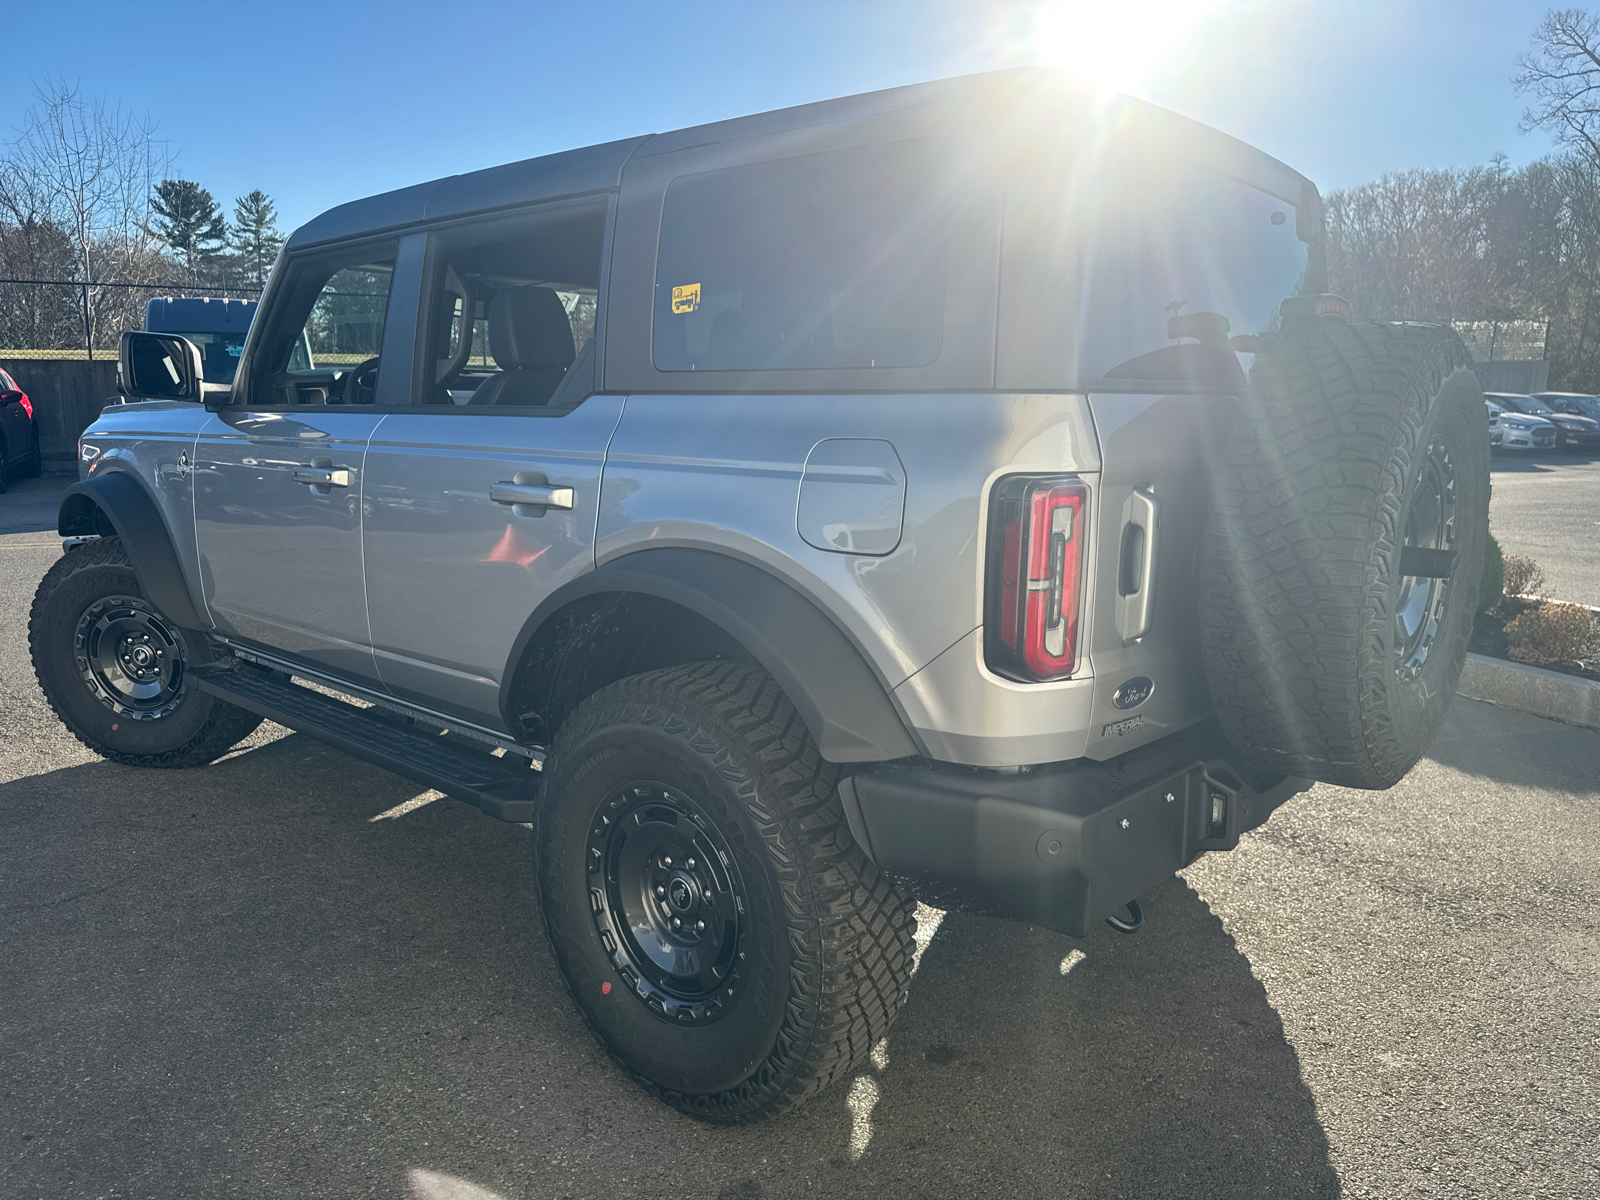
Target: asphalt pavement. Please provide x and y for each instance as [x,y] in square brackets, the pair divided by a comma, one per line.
[1548,507]
[291,974]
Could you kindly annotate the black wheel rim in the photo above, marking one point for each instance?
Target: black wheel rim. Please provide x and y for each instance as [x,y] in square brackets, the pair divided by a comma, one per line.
[667,901]
[1430,525]
[131,659]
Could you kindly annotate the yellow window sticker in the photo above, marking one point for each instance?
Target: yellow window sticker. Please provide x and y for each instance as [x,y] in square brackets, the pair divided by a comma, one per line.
[686,298]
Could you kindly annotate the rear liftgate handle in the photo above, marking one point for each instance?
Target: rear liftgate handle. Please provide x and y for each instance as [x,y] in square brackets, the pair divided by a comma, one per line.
[1136,582]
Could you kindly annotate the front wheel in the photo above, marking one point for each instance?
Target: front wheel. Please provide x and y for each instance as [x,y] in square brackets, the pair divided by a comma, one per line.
[114,669]
[729,942]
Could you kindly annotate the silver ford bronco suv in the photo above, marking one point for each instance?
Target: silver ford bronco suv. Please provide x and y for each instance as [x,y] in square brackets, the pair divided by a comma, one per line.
[966,492]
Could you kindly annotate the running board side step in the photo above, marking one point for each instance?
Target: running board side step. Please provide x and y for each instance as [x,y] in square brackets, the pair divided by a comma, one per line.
[505,788]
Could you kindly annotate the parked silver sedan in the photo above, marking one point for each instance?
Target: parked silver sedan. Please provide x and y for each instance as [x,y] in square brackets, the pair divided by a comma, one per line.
[1512,430]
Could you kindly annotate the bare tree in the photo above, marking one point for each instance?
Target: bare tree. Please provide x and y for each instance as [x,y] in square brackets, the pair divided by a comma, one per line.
[88,169]
[1422,245]
[1562,74]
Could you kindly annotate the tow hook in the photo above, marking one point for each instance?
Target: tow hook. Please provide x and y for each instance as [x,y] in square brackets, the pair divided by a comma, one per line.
[1129,924]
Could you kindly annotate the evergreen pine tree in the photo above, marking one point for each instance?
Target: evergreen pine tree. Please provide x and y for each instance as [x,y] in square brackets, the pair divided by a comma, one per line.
[187,219]
[254,235]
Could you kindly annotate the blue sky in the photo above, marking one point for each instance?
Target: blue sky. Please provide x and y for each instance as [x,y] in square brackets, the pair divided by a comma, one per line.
[317,103]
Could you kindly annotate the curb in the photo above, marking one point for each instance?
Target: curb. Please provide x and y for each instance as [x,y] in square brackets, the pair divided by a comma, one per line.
[1531,690]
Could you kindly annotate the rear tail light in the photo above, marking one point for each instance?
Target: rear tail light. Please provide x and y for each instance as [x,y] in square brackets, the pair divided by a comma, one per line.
[27,405]
[1037,531]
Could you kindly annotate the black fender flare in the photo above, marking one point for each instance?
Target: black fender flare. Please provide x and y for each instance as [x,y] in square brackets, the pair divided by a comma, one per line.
[134,517]
[843,702]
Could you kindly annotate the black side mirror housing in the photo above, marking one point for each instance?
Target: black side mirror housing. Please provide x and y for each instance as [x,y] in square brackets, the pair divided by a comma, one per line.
[160,366]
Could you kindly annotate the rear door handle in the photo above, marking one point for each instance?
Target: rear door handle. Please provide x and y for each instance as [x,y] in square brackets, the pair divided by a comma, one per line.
[323,476]
[1136,582]
[534,495]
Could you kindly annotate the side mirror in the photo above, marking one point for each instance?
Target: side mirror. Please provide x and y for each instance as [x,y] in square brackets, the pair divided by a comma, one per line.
[160,366]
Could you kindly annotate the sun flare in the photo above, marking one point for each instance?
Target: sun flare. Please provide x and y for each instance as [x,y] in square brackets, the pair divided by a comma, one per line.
[1121,46]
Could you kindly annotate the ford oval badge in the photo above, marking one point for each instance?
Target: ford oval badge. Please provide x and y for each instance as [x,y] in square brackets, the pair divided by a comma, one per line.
[1133,693]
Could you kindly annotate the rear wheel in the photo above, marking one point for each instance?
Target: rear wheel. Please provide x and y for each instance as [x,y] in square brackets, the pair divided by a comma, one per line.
[114,669]
[727,939]
[1345,549]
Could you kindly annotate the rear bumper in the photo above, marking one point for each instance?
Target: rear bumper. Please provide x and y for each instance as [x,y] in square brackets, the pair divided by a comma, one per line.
[1064,845]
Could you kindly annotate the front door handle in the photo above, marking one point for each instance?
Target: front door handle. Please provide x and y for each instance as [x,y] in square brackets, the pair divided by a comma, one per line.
[534,495]
[323,476]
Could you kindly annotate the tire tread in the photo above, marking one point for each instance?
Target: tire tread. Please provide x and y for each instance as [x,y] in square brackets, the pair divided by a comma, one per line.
[850,930]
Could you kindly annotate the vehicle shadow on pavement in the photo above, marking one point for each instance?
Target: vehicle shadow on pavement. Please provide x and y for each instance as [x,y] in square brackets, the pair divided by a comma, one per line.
[1518,749]
[31,505]
[1142,1065]
[236,979]
[1520,464]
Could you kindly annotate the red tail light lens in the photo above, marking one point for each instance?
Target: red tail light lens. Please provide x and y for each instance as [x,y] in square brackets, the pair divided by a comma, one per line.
[1037,531]
[27,405]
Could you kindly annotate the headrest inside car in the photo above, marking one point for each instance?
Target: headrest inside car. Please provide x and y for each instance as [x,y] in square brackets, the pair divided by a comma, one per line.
[528,327]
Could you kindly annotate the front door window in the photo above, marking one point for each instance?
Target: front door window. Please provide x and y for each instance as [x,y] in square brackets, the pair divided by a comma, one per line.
[327,341]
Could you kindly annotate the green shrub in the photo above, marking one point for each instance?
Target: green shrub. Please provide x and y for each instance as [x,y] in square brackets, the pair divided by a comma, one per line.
[1554,632]
[1522,576]
[1494,578]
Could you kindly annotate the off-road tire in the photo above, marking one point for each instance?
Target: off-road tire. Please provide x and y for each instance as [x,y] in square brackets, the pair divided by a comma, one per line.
[198,729]
[1300,570]
[830,943]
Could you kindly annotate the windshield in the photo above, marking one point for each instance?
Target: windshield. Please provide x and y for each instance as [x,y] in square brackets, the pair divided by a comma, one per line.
[1538,407]
[219,353]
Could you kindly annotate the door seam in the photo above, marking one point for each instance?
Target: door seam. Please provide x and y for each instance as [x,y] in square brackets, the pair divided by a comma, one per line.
[361,543]
[600,490]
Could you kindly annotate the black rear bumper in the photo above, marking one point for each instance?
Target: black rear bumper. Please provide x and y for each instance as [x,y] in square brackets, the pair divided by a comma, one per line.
[1063,845]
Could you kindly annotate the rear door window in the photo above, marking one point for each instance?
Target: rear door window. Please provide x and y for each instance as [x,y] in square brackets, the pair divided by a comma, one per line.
[1174,264]
[826,261]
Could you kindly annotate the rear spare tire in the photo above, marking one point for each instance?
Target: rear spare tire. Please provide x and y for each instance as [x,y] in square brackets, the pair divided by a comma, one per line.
[1344,550]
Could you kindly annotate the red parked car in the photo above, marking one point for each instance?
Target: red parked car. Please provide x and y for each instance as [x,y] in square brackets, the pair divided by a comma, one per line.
[19,433]
[1574,431]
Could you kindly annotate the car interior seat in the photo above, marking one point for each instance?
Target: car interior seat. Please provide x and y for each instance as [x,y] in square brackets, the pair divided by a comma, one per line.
[530,338]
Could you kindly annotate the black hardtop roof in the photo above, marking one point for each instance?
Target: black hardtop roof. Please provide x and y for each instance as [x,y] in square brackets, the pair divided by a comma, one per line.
[599,168]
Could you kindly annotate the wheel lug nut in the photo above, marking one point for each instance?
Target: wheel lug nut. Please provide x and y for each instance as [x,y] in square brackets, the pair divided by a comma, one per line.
[666,860]
[699,926]
[690,864]
[677,922]
[660,891]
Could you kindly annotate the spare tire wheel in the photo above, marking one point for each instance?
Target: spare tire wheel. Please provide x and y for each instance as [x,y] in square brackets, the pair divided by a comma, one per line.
[1344,549]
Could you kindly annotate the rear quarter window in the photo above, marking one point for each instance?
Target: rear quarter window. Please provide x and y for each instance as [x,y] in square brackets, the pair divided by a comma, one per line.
[1164,244]
[826,261]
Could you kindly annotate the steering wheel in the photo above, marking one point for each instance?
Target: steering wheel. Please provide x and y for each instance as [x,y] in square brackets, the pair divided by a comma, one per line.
[357,388]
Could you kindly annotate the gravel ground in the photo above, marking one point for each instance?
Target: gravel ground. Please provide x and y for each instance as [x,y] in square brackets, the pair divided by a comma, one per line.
[292,974]
[1549,509]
